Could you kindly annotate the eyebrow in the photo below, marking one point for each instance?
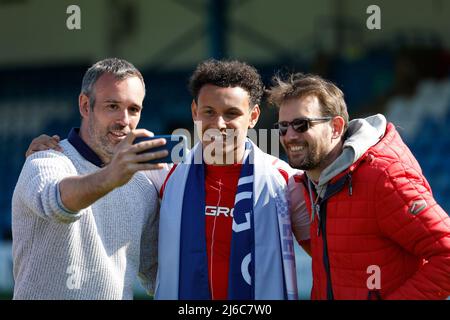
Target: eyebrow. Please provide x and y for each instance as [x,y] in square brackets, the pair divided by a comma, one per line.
[112,101]
[228,108]
[118,101]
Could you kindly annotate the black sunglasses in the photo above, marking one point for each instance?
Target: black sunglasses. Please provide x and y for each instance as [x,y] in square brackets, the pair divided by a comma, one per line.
[299,124]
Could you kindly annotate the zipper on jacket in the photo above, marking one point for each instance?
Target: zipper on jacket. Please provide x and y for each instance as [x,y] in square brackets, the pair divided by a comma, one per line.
[319,222]
[325,257]
[350,187]
[332,189]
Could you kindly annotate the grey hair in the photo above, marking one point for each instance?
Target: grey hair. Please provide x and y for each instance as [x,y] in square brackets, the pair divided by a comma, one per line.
[119,68]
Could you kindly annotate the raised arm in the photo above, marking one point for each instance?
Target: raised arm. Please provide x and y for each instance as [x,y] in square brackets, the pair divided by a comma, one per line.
[79,192]
[50,186]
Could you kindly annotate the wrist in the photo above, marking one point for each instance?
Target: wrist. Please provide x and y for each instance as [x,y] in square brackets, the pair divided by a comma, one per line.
[105,180]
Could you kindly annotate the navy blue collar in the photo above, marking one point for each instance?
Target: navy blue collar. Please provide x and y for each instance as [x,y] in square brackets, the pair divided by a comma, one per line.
[81,146]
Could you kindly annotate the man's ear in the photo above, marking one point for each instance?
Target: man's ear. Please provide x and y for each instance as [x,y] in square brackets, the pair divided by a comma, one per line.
[194,110]
[337,125]
[83,104]
[254,116]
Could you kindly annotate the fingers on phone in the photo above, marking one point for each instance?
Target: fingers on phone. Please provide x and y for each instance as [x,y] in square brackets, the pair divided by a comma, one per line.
[144,145]
[142,133]
[152,155]
[150,166]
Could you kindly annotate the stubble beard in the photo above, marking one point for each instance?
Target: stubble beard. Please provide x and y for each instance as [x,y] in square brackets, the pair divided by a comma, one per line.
[101,144]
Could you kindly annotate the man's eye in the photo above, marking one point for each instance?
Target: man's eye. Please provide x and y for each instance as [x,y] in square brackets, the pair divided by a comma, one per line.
[113,106]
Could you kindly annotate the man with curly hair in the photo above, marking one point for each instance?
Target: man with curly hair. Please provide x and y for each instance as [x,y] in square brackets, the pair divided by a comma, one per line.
[225,230]
[225,223]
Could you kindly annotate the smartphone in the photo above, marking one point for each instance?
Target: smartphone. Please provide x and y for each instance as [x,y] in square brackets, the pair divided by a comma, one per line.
[175,144]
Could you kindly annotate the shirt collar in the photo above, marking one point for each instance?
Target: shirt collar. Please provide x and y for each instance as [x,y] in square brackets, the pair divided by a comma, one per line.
[83,149]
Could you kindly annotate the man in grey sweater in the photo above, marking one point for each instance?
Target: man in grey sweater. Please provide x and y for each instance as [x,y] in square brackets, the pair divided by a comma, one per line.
[85,218]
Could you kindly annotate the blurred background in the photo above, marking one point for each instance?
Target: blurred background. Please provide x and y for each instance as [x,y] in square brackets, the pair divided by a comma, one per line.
[401,70]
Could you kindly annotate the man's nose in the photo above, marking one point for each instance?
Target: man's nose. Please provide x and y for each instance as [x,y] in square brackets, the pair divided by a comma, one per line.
[123,118]
[291,133]
[221,122]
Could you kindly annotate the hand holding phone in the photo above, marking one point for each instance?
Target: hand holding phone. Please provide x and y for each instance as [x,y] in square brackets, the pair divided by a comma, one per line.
[176,145]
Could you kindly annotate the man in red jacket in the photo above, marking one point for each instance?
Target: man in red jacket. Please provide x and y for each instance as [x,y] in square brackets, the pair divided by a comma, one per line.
[376,231]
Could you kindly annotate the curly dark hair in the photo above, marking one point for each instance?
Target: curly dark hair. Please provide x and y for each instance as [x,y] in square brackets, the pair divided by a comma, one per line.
[227,73]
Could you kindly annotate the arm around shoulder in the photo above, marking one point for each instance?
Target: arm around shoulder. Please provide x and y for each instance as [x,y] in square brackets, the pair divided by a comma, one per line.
[300,219]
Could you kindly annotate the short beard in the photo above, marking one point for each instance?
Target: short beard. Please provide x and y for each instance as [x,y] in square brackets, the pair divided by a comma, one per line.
[100,143]
[308,163]
[312,160]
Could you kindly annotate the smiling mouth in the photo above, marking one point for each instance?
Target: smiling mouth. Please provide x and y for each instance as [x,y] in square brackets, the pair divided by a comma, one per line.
[118,134]
[296,148]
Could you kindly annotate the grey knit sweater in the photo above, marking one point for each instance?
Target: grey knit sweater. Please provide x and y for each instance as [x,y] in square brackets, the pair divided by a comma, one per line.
[95,253]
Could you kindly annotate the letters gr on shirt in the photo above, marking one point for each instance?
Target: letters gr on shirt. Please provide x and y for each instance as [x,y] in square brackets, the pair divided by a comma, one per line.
[218,211]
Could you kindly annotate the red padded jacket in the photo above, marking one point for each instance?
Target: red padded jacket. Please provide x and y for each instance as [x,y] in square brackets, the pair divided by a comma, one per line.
[380,234]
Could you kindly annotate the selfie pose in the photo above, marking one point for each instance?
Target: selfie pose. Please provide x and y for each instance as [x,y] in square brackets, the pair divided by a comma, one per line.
[84,219]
